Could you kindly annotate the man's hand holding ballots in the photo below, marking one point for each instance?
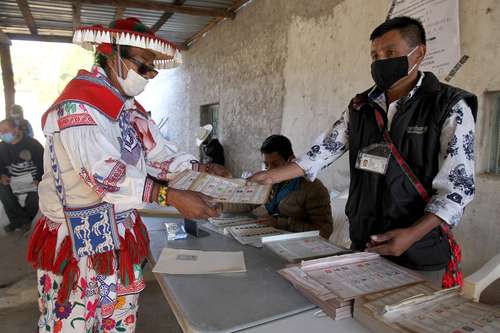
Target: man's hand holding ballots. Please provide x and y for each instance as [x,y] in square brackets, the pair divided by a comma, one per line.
[221,189]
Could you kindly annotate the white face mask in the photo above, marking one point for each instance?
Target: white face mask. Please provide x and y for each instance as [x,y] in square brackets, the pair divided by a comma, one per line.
[134,84]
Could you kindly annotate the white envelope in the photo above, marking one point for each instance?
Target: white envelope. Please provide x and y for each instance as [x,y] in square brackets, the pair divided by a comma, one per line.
[174,261]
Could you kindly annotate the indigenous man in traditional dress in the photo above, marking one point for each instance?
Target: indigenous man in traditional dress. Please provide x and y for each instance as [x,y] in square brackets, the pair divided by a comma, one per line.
[103,160]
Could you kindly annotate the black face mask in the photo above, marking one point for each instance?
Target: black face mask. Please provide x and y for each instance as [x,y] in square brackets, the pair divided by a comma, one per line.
[386,72]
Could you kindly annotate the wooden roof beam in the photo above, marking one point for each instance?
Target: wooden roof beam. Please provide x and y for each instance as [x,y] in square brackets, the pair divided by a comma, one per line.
[41,38]
[236,4]
[162,6]
[28,17]
[76,8]
[119,13]
[164,18]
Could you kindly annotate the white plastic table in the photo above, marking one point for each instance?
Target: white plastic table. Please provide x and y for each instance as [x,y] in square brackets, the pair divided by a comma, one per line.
[259,300]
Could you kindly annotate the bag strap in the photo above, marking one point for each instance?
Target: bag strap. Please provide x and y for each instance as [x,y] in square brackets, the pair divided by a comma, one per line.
[453,274]
[56,171]
[399,158]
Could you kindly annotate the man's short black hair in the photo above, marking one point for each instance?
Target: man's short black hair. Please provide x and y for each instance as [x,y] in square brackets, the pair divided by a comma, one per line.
[277,144]
[411,29]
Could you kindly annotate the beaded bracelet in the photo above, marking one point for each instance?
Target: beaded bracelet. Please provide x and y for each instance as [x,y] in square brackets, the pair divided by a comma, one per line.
[163,195]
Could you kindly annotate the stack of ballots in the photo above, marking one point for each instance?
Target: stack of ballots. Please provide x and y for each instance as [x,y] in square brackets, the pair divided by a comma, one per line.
[333,283]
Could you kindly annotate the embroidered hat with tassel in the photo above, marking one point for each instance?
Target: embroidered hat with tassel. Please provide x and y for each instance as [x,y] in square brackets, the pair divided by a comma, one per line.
[131,32]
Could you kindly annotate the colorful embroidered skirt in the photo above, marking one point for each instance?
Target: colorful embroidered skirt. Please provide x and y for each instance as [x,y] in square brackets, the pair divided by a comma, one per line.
[116,273]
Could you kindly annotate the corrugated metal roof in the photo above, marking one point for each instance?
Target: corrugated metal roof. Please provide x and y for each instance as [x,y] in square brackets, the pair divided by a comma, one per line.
[55,18]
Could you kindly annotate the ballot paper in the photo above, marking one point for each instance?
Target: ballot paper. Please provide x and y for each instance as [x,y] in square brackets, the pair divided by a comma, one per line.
[222,223]
[334,282]
[353,275]
[177,261]
[300,279]
[301,246]
[251,234]
[222,189]
[421,308]
[22,184]
[318,294]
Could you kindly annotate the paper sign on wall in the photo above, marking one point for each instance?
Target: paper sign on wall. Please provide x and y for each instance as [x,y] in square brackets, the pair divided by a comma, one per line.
[441,23]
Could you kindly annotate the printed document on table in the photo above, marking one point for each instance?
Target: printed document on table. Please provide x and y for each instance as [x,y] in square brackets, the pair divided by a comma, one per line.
[222,189]
[22,184]
[251,234]
[177,261]
[364,277]
[232,220]
[442,311]
[301,246]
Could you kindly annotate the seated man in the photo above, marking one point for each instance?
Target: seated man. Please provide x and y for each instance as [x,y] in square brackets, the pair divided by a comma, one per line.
[295,205]
[17,114]
[20,156]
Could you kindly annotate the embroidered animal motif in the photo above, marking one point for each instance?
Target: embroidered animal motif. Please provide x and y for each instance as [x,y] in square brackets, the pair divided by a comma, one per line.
[86,249]
[106,245]
[83,228]
[104,223]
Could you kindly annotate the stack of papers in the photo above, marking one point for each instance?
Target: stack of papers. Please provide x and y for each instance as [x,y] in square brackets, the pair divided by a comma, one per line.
[334,282]
[222,189]
[318,294]
[174,261]
[222,224]
[301,246]
[424,309]
[251,234]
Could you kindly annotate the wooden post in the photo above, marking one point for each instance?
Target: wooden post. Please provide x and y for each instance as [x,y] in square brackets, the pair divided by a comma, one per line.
[76,9]
[7,73]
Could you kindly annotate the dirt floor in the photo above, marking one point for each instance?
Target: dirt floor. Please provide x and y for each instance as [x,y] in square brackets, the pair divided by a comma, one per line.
[20,315]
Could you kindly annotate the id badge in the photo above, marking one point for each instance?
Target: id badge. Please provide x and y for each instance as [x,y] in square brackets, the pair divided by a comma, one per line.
[374,158]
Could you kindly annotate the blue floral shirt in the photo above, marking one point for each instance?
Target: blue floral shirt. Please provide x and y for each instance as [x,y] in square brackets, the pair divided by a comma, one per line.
[454,184]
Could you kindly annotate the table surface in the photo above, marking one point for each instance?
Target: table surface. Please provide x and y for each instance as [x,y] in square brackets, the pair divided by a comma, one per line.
[236,301]
[308,322]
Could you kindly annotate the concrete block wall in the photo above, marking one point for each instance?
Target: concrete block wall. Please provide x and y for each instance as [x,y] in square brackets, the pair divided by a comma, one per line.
[291,66]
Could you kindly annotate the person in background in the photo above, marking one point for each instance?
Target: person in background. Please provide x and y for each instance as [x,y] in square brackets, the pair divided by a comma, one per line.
[411,151]
[294,205]
[214,151]
[20,155]
[211,149]
[17,114]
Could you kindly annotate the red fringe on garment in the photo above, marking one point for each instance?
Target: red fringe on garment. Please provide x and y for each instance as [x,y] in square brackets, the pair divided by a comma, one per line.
[134,248]
[70,278]
[103,263]
[125,264]
[48,250]
[64,256]
[37,239]
[142,238]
